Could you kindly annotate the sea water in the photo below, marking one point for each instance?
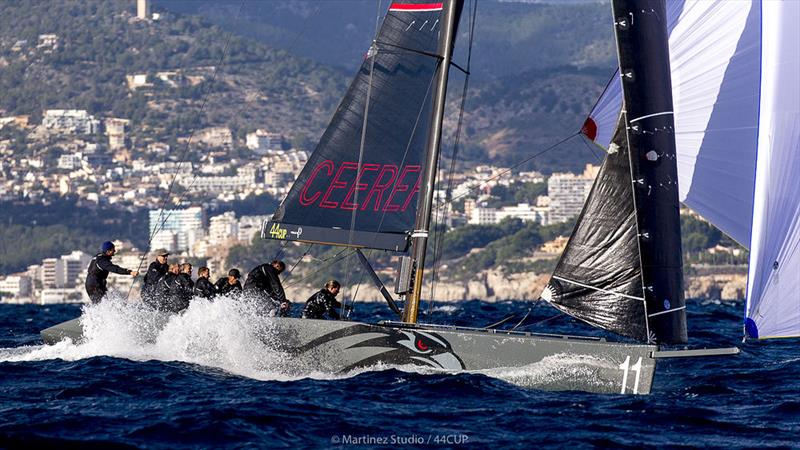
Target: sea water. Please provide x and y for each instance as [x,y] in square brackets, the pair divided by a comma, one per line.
[203,378]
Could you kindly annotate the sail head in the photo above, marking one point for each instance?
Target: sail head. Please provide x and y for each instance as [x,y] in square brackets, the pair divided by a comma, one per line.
[360,185]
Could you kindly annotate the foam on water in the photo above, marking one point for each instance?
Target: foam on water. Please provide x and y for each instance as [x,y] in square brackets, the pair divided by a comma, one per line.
[227,334]
[232,335]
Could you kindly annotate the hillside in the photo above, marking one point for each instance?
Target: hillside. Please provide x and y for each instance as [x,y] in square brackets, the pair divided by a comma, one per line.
[537,69]
[540,90]
[100,43]
[510,37]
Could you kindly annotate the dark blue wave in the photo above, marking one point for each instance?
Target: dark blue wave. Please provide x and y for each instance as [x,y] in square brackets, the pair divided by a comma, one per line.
[748,400]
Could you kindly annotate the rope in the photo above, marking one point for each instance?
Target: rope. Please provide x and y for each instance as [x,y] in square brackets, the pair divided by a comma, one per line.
[363,143]
[525,161]
[583,139]
[298,261]
[338,257]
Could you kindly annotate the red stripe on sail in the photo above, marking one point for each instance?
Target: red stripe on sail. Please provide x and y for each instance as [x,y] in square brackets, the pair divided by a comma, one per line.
[410,7]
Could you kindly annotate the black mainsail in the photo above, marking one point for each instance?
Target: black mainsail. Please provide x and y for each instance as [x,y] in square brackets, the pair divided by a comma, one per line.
[622,269]
[361,185]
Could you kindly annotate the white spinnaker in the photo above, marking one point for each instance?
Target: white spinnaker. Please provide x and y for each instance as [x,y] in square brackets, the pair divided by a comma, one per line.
[773,293]
[714,58]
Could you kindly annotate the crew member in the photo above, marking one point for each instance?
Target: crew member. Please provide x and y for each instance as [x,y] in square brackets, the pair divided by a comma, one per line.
[183,288]
[203,287]
[155,271]
[229,284]
[98,270]
[165,289]
[264,283]
[324,302]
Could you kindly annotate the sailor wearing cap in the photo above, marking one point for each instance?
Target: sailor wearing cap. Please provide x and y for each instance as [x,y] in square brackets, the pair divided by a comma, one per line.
[155,271]
[230,283]
[98,270]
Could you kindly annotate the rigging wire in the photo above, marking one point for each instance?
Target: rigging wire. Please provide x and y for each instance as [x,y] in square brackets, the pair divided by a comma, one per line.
[338,257]
[222,63]
[523,162]
[443,207]
[372,53]
[583,139]
[160,223]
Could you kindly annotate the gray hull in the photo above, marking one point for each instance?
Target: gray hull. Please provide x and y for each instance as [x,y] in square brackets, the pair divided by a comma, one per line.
[550,362]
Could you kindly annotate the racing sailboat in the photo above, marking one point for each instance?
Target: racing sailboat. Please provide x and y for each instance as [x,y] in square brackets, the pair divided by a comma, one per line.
[369,185]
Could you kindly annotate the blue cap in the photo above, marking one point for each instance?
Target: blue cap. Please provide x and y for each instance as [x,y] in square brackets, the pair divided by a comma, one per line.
[107,245]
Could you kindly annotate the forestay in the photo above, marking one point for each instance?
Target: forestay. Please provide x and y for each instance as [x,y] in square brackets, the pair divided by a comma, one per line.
[360,186]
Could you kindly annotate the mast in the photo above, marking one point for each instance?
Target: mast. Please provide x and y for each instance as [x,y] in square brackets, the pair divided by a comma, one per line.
[643,50]
[419,238]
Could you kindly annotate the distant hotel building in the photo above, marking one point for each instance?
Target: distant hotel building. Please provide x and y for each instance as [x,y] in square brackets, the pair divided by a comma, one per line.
[176,229]
[523,211]
[568,192]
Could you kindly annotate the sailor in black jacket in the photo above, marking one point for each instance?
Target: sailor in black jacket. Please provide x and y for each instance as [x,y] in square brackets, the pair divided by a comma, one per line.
[98,270]
[183,289]
[229,284]
[264,283]
[166,288]
[203,287]
[155,271]
[324,302]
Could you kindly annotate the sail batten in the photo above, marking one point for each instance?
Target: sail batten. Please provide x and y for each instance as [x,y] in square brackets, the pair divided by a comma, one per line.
[361,184]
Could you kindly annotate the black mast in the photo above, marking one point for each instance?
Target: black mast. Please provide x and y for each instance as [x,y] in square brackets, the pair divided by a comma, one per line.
[643,51]
[419,238]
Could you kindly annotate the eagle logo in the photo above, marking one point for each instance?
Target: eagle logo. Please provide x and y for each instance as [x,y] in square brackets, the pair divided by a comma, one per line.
[399,347]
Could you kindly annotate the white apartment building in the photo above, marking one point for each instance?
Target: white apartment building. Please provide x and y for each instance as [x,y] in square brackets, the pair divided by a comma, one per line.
[481,215]
[263,142]
[215,137]
[17,285]
[115,130]
[70,161]
[186,225]
[245,177]
[223,228]
[568,192]
[76,121]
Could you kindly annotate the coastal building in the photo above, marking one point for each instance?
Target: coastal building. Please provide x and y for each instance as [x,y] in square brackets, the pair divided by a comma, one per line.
[70,161]
[179,227]
[48,41]
[143,9]
[74,121]
[16,286]
[214,137]
[482,215]
[245,177]
[249,227]
[223,228]
[263,142]
[115,130]
[568,192]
